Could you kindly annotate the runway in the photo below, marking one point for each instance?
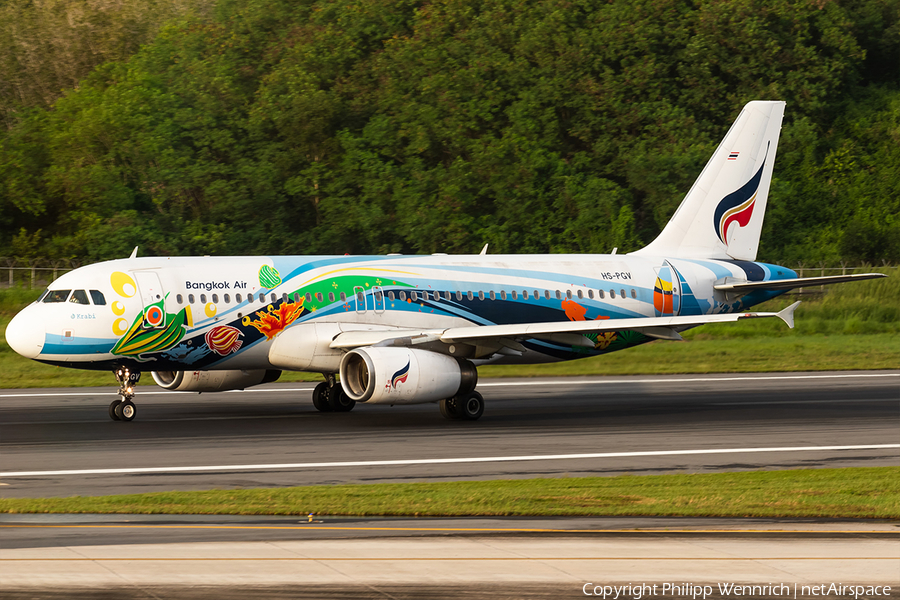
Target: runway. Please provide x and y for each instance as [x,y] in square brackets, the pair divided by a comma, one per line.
[60,442]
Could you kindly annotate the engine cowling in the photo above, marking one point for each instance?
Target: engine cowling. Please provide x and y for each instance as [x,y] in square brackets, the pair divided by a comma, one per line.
[386,375]
[212,381]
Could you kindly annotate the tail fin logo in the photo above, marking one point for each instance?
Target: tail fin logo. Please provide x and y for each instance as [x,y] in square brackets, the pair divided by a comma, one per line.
[737,207]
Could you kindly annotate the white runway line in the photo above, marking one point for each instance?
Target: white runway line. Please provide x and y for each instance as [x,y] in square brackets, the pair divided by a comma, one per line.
[560,381]
[440,461]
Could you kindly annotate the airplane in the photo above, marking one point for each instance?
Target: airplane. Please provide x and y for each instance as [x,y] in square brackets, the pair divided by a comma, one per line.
[407,329]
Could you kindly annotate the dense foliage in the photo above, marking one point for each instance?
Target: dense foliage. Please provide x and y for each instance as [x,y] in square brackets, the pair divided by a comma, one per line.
[325,126]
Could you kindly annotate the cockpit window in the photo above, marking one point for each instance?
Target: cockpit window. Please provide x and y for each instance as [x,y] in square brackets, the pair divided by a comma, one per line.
[97,297]
[79,297]
[41,299]
[56,296]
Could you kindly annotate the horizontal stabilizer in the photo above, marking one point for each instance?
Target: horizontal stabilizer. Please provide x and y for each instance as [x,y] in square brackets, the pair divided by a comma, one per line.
[790,284]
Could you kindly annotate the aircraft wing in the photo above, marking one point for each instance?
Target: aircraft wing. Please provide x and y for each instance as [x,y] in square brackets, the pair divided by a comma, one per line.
[658,327]
[789,284]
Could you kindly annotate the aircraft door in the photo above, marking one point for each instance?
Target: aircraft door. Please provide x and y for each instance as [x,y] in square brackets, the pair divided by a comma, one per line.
[152,299]
[666,291]
[361,299]
[378,297]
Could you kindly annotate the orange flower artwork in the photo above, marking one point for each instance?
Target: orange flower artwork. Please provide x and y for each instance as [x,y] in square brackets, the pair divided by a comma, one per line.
[273,320]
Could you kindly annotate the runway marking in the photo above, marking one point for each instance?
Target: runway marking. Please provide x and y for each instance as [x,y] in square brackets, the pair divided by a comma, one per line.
[439,461]
[444,529]
[448,558]
[567,381]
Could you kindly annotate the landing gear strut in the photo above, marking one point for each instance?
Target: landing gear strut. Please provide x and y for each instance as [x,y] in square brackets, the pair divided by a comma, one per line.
[123,409]
[329,396]
[465,407]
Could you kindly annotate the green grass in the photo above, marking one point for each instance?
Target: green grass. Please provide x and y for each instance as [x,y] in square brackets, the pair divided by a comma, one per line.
[872,492]
[852,326]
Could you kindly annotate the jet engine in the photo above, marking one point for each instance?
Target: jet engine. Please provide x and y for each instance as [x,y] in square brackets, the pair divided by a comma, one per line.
[390,375]
[212,381]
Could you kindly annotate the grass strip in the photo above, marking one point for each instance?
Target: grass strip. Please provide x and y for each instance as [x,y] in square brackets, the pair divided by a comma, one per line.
[863,492]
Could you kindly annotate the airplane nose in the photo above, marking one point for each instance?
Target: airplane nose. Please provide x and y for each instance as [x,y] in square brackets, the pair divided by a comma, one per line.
[25,334]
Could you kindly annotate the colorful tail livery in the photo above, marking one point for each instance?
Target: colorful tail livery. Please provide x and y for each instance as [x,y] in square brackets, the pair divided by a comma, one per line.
[414,329]
[721,216]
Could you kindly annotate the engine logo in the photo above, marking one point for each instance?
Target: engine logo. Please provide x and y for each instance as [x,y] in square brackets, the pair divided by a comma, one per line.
[398,378]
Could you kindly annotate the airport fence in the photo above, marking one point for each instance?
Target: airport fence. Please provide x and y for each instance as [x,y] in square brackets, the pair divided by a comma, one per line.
[37,273]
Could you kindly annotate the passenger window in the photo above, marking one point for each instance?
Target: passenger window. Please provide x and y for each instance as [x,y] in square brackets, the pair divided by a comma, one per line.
[537,295]
[361,299]
[237,298]
[612,293]
[57,296]
[262,297]
[525,294]
[99,299]
[331,297]
[308,297]
[227,299]
[343,297]
[514,295]
[414,296]
[390,296]
[503,295]
[79,297]
[403,295]
[379,297]
[296,296]
[591,294]
[319,296]
[558,295]
[547,294]
[622,292]
[633,294]
[191,298]
[202,298]
[459,295]
[284,297]
[493,296]
[580,295]
[470,295]
[179,299]
[569,294]
[215,298]
[480,295]
[273,297]
[601,295]
[447,296]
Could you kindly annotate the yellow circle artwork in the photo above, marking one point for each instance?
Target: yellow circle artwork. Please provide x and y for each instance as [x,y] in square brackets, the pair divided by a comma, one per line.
[120,326]
[210,310]
[118,308]
[123,284]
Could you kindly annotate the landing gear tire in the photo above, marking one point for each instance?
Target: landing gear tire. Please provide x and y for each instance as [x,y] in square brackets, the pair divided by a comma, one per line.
[126,411]
[450,409]
[112,409]
[471,406]
[320,398]
[339,400]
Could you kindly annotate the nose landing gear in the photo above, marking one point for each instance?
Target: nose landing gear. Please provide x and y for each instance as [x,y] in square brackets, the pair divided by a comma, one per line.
[123,409]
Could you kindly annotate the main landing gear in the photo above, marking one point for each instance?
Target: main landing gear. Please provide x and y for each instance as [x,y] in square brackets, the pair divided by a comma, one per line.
[329,396]
[123,409]
[465,407]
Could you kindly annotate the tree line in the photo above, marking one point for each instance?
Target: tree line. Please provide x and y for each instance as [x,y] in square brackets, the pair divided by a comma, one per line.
[375,126]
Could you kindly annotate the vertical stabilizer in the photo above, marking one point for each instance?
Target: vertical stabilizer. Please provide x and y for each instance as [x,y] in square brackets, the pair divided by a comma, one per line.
[722,214]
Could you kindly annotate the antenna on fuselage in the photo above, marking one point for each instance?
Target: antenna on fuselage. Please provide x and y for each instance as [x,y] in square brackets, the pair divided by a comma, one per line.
[134,253]
[483,251]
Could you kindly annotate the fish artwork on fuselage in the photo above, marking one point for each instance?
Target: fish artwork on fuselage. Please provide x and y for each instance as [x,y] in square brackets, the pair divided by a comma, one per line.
[413,329]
